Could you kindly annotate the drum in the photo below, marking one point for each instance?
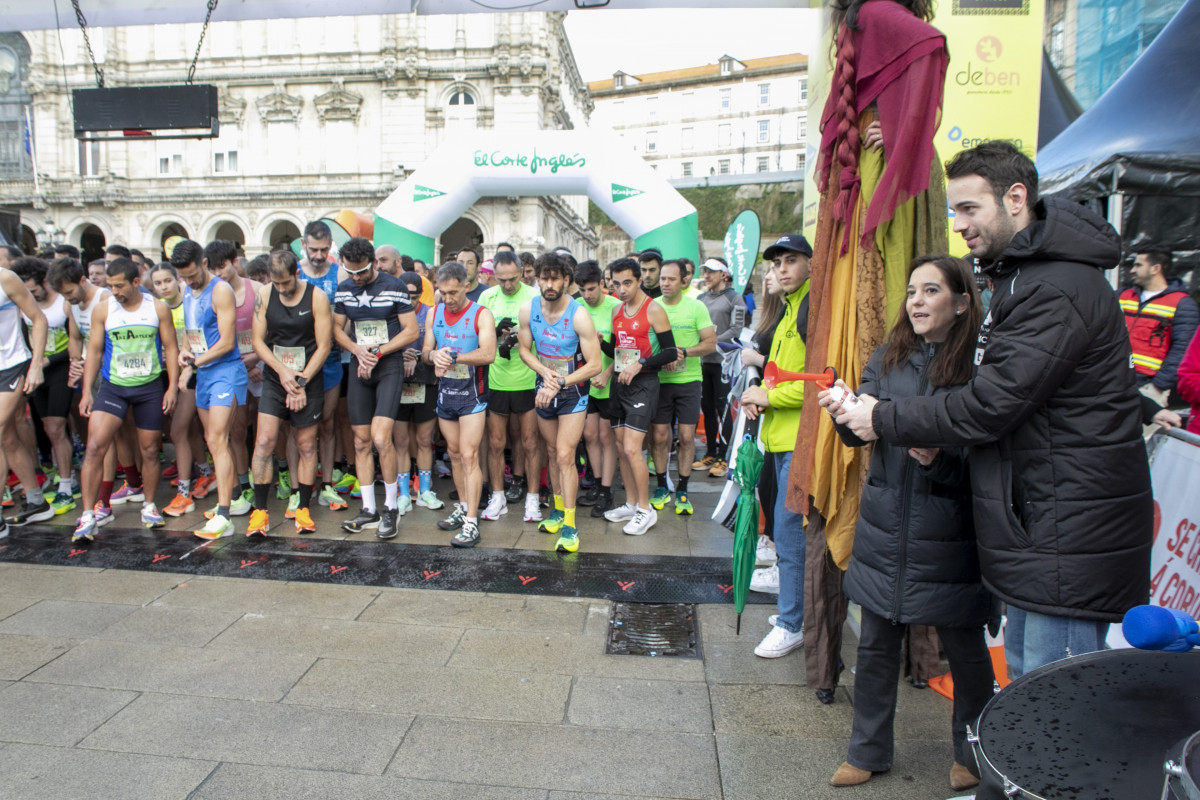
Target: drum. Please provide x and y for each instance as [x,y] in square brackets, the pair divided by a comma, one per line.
[1183,771]
[1089,727]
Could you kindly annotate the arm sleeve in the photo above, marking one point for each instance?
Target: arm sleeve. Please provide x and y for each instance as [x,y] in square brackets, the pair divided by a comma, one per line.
[950,468]
[608,347]
[667,354]
[1183,329]
[1029,354]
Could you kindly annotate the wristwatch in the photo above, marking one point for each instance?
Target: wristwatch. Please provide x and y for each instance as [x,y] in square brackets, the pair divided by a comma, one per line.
[642,361]
[373,349]
[562,382]
[453,358]
[684,351]
[301,381]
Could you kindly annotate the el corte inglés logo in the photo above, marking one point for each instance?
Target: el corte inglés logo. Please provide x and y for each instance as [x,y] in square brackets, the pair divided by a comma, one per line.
[620,192]
[425,193]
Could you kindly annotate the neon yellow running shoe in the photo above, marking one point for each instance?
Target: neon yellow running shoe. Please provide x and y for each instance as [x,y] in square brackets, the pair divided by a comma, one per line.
[554,523]
[568,540]
[682,506]
[660,497]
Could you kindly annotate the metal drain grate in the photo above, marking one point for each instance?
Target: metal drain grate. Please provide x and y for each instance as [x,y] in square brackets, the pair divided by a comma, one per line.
[653,629]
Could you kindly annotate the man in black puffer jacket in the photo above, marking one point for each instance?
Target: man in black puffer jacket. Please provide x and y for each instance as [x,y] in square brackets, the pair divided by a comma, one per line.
[1063,509]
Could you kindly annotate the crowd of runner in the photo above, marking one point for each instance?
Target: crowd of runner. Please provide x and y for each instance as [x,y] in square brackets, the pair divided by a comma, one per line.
[314,377]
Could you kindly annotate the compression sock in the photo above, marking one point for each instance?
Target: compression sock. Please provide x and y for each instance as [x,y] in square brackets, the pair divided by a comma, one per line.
[682,485]
[306,490]
[133,476]
[425,479]
[390,492]
[558,503]
[260,495]
[105,497]
[661,477]
[223,511]
[185,487]
[244,481]
[569,517]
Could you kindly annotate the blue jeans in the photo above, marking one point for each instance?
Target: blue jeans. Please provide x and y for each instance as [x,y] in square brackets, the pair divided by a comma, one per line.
[1032,640]
[789,547]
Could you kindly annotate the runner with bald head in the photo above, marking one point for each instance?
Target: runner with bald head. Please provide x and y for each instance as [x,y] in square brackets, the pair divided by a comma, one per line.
[387,258]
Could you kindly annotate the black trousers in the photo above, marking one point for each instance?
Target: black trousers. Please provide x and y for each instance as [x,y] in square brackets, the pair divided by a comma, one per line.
[713,394]
[875,685]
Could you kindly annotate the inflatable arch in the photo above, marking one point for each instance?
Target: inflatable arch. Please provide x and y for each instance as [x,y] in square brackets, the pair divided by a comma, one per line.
[534,164]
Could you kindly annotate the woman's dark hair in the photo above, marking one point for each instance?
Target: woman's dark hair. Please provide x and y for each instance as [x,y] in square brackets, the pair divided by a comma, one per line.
[954,363]
[847,11]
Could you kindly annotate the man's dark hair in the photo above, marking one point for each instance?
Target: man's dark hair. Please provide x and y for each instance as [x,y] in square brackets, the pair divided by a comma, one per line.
[123,266]
[281,262]
[588,272]
[625,265]
[137,253]
[259,268]
[186,253]
[448,257]
[406,263]
[69,250]
[478,257]
[567,256]
[689,266]
[357,250]
[646,256]
[118,250]
[218,251]
[505,244]
[506,257]
[1159,257]
[416,261]
[999,163]
[15,252]
[318,231]
[676,262]
[29,268]
[527,258]
[551,264]
[65,270]
[452,271]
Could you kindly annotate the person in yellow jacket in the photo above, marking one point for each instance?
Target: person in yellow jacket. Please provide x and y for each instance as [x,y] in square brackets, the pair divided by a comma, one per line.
[780,410]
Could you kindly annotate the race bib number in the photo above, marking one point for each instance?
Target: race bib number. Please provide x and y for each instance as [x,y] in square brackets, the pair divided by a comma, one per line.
[245,342]
[294,358]
[561,366]
[132,365]
[56,340]
[458,372]
[625,357]
[196,341]
[412,394]
[371,332]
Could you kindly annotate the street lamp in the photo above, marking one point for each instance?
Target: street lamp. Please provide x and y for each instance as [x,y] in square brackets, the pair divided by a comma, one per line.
[50,234]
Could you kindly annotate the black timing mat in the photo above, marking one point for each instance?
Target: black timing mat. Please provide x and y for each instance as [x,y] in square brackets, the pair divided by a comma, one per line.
[632,578]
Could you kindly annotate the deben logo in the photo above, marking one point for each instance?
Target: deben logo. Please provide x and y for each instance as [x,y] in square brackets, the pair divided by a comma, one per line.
[988,50]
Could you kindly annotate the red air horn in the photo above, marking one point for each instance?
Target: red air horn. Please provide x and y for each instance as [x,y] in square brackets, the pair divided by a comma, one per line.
[773,376]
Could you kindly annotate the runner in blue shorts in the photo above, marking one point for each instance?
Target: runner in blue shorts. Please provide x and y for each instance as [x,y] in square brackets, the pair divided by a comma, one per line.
[568,356]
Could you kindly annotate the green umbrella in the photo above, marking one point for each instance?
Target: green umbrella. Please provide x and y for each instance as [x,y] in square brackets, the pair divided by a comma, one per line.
[748,466]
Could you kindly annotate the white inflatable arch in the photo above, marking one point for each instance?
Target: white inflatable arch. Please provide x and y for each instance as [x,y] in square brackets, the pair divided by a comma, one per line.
[537,164]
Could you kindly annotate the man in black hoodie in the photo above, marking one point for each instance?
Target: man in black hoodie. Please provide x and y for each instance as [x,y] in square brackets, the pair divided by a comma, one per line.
[1063,511]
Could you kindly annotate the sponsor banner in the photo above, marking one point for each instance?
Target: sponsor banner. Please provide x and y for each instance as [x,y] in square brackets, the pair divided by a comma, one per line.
[741,248]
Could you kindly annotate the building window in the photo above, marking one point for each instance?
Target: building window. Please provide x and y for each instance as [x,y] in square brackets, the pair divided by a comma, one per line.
[618,81]
[225,163]
[687,169]
[764,94]
[724,133]
[726,66]
[764,163]
[723,166]
[764,130]
[687,138]
[461,114]
[651,108]
[800,162]
[804,90]
[802,129]
[725,99]
[651,141]
[89,158]
[170,165]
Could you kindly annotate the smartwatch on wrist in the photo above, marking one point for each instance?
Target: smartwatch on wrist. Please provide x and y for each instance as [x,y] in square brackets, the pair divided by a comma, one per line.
[453,358]
[562,382]
[684,351]
[642,361]
[301,381]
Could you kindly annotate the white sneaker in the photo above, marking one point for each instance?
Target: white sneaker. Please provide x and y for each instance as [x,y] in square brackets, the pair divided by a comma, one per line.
[621,513]
[403,505]
[771,619]
[779,642]
[497,507]
[765,580]
[765,555]
[643,520]
[533,510]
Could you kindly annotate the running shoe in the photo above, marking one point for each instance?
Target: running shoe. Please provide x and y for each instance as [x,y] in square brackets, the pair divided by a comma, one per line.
[554,523]
[62,503]
[240,507]
[31,513]
[260,523]
[127,494]
[588,498]
[347,483]
[442,469]
[643,520]
[497,507]
[545,498]
[216,528]
[704,463]
[387,524]
[456,518]
[180,504]
[293,504]
[516,490]
[103,514]
[660,497]
[719,470]
[283,489]
[356,490]
[467,537]
[429,499]
[403,505]
[3,529]
[203,485]
[533,509]
[622,513]
[151,517]
[7,502]
[248,495]
[366,520]
[568,540]
[85,528]
[170,471]
[304,521]
[76,488]
[330,497]
[682,506]
[764,553]
[604,502]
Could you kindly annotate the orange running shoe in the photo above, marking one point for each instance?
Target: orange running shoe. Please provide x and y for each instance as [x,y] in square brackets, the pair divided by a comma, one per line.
[181,504]
[304,521]
[203,485]
[259,523]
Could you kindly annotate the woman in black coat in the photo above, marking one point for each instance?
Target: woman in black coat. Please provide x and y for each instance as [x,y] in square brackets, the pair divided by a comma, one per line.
[914,560]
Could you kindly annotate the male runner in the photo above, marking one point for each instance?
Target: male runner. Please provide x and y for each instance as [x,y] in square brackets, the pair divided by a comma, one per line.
[20,375]
[679,384]
[511,385]
[651,262]
[417,414]
[387,259]
[460,344]
[469,258]
[138,346]
[598,432]
[561,329]
[292,337]
[643,344]
[382,324]
[210,319]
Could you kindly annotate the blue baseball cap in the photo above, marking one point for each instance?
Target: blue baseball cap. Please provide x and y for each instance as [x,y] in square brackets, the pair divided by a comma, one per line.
[793,242]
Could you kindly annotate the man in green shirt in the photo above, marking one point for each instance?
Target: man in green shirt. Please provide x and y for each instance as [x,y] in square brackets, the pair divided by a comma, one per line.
[511,398]
[598,432]
[679,384]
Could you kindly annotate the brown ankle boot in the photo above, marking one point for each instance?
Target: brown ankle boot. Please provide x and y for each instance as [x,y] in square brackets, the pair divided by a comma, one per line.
[961,778]
[849,775]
